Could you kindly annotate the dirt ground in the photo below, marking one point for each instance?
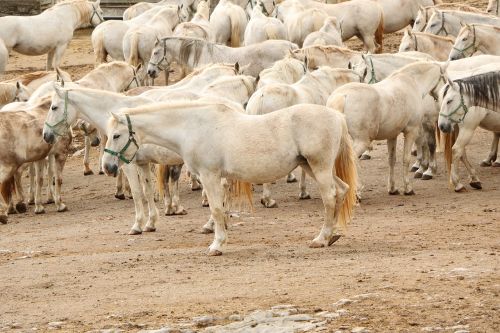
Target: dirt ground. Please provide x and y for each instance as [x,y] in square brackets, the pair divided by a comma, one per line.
[425,262]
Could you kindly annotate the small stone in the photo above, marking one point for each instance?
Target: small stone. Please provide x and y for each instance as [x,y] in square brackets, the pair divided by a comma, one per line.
[462,331]
[234,317]
[360,330]
[342,301]
[56,324]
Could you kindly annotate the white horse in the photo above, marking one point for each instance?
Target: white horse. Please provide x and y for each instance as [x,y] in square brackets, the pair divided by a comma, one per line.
[142,7]
[4,56]
[401,13]
[449,22]
[424,13]
[192,52]
[51,31]
[261,27]
[310,136]
[468,103]
[199,26]
[329,34]
[438,47]
[364,19]
[107,38]
[383,110]
[139,41]
[228,23]
[313,88]
[476,38]
[288,70]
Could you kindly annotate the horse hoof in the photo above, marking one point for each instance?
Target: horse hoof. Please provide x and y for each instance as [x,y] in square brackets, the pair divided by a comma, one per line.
[41,211]
[304,196]
[21,207]
[205,204]
[426,177]
[417,175]
[485,163]
[460,188]
[206,231]
[410,192]
[31,202]
[3,219]
[181,212]
[495,164]
[214,253]
[120,196]
[414,153]
[101,172]
[88,173]
[365,157]
[49,201]
[413,169]
[269,204]
[149,229]
[476,185]
[334,239]
[135,232]
[11,211]
[196,188]
[291,179]
[316,245]
[62,209]
[395,192]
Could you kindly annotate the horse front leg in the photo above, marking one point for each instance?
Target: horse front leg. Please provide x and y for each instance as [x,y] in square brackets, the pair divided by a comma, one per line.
[215,192]
[50,59]
[31,189]
[145,177]
[130,171]
[431,148]
[101,153]
[303,195]
[49,163]
[20,204]
[492,157]
[458,150]
[173,184]
[119,186]
[39,168]
[58,53]
[6,173]
[474,181]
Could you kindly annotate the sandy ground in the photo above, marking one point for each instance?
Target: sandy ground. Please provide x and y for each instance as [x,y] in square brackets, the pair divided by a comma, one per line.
[426,261]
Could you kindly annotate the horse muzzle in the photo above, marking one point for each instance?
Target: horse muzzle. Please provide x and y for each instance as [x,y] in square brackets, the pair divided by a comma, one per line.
[153,73]
[111,169]
[49,138]
[445,128]
[96,142]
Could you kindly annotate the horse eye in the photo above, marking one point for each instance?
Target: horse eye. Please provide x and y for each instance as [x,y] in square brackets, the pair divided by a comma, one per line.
[464,39]
[448,102]
[417,21]
[54,107]
[116,136]
[433,25]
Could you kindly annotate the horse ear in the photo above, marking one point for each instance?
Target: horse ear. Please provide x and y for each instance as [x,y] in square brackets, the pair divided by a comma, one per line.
[408,31]
[157,41]
[59,76]
[115,116]
[349,65]
[306,62]
[237,67]
[138,67]
[18,85]
[444,67]
[257,79]
[363,56]
[58,90]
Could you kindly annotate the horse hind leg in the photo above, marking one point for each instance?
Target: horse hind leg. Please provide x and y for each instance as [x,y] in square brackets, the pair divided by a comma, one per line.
[391,149]
[303,194]
[50,59]
[491,160]
[49,164]
[266,199]
[20,205]
[215,191]
[87,171]
[431,146]
[174,183]
[58,161]
[39,168]
[58,53]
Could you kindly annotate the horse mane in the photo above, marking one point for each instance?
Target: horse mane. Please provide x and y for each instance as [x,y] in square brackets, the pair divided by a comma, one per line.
[107,67]
[327,49]
[432,36]
[481,88]
[26,79]
[456,6]
[80,5]
[188,46]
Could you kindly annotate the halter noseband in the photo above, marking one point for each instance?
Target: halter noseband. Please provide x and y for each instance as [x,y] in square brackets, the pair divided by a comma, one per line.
[63,122]
[472,46]
[416,42]
[461,106]
[131,139]
[94,12]
[134,79]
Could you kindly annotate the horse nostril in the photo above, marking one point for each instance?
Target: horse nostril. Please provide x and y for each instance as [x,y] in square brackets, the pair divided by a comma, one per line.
[48,138]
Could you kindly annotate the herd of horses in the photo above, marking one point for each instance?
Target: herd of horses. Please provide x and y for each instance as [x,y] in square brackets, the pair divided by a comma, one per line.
[267,86]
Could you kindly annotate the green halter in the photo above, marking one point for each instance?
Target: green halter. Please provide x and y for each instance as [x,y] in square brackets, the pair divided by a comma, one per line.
[131,140]
[461,106]
[61,127]
[472,46]
[373,79]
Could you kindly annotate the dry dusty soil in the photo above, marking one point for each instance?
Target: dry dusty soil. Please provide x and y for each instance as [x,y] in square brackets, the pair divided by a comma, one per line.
[428,262]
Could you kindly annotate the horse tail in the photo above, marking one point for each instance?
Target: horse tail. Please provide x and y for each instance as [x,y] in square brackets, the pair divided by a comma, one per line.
[160,179]
[235,28]
[133,57]
[337,103]
[379,33]
[347,170]
[240,190]
[449,141]
[7,188]
[100,52]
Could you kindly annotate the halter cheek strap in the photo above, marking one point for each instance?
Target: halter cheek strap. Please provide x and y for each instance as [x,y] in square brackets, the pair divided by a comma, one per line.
[373,78]
[462,106]
[134,79]
[131,140]
[61,127]
[416,42]
[443,28]
[159,63]
[472,46]
[94,12]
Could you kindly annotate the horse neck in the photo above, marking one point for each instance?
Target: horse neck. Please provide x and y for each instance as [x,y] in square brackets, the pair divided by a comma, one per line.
[426,75]
[87,103]
[484,37]
[257,12]
[384,65]
[71,15]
